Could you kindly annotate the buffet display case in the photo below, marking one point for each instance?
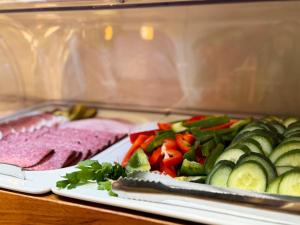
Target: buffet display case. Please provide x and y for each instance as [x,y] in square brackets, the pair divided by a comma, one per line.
[143,61]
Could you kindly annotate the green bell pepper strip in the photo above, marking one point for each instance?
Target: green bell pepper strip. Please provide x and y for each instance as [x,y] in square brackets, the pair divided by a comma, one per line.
[209,122]
[159,139]
[190,168]
[211,159]
[207,147]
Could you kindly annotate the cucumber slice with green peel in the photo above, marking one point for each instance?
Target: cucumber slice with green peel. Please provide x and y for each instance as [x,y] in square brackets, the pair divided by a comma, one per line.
[273,139]
[283,169]
[253,145]
[286,140]
[178,127]
[293,134]
[273,118]
[292,129]
[249,176]
[278,126]
[294,124]
[231,155]
[290,120]
[220,173]
[265,143]
[290,183]
[263,161]
[274,185]
[253,128]
[284,148]
[239,146]
[291,158]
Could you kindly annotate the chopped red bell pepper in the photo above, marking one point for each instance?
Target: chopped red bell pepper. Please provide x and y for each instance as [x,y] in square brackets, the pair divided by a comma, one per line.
[219,127]
[164,126]
[170,143]
[147,142]
[171,171]
[182,144]
[156,157]
[137,143]
[134,136]
[171,157]
[189,138]
[195,118]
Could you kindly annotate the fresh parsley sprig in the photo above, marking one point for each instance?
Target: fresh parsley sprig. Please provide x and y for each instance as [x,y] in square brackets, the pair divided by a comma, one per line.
[91,171]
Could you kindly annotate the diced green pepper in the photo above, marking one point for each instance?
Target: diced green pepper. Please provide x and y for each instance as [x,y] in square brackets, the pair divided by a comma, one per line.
[191,154]
[190,168]
[138,162]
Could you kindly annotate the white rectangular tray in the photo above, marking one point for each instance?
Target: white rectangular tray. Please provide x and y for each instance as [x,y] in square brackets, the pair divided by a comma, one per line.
[203,211]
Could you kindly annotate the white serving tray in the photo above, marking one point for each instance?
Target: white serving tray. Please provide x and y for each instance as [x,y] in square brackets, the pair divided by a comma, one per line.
[204,211]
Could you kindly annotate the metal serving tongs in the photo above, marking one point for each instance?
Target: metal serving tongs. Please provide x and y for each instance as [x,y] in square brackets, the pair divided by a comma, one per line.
[160,188]
[12,171]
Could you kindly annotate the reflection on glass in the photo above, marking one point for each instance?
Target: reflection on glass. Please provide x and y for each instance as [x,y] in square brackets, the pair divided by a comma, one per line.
[147,32]
[108,33]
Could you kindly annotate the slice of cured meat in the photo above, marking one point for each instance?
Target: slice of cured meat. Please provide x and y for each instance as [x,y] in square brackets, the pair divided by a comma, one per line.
[30,123]
[95,124]
[23,155]
[58,160]
[36,143]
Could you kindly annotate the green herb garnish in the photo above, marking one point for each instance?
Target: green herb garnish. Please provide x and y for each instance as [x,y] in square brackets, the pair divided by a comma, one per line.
[91,171]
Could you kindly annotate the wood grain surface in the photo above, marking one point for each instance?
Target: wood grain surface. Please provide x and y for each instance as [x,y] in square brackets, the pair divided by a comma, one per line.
[16,208]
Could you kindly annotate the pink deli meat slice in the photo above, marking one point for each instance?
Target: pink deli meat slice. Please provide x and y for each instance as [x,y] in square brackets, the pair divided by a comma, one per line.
[95,124]
[23,155]
[30,123]
[52,147]
[60,159]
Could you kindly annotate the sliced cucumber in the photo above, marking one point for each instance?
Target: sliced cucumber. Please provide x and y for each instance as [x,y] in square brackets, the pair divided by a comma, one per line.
[290,183]
[273,186]
[291,158]
[253,145]
[290,139]
[243,134]
[284,148]
[265,143]
[220,173]
[249,176]
[178,127]
[232,155]
[251,128]
[294,124]
[273,118]
[290,120]
[283,169]
[266,139]
[263,161]
[291,130]
[278,126]
[293,134]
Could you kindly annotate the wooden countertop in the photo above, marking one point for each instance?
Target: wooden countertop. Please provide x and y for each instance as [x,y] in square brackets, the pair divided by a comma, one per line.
[16,208]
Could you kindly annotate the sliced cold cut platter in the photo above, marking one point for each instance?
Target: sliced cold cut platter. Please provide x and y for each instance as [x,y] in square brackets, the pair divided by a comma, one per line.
[43,143]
